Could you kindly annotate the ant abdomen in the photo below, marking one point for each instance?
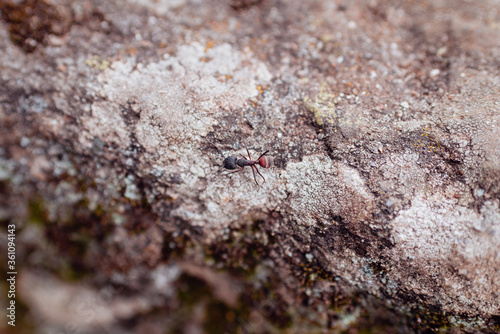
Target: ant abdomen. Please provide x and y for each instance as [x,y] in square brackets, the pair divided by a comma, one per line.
[265,162]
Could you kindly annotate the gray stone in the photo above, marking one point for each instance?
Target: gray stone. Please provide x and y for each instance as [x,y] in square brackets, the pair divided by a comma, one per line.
[382,121]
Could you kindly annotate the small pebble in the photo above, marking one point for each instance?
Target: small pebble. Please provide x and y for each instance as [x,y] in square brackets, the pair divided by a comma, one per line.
[25,141]
[435,72]
[441,51]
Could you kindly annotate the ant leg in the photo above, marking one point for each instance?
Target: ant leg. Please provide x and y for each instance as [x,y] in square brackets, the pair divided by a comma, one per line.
[249,157]
[263,154]
[236,171]
[254,174]
[259,173]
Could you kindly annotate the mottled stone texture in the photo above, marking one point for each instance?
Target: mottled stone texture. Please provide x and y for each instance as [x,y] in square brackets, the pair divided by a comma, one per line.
[380,212]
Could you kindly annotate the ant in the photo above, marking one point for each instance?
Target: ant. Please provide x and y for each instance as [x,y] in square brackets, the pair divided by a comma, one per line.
[233,162]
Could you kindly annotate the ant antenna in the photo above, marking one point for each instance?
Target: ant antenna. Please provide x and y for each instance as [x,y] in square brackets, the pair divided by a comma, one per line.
[220,152]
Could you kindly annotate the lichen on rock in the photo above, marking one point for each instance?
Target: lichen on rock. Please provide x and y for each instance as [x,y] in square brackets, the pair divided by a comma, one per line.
[380,210]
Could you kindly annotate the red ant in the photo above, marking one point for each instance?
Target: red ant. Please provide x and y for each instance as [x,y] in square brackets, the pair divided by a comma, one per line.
[234,162]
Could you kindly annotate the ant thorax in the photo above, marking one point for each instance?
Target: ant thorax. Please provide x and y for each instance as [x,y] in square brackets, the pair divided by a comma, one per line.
[245,162]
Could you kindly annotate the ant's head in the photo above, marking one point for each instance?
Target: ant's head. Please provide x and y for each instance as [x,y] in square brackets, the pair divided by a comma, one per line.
[230,162]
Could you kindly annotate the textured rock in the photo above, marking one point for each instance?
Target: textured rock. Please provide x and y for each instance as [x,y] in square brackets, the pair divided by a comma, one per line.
[381,210]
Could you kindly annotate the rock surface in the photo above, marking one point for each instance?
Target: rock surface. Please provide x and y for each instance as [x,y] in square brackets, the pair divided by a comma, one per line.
[381,210]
